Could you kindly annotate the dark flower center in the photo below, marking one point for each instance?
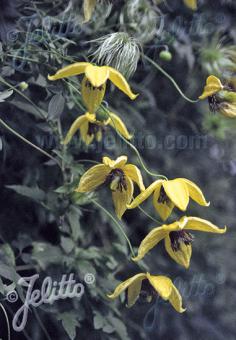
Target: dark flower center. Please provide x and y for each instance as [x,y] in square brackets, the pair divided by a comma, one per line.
[117,181]
[163,198]
[93,129]
[176,237]
[213,103]
[91,87]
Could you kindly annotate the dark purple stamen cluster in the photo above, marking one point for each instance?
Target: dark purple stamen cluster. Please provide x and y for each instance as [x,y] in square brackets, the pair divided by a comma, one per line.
[91,87]
[117,173]
[93,129]
[213,103]
[176,237]
[163,198]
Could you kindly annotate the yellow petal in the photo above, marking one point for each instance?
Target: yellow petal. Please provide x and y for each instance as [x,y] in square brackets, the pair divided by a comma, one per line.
[145,194]
[74,128]
[122,198]
[177,191]
[161,284]
[92,96]
[151,240]
[118,163]
[92,178]
[127,283]
[213,85]
[196,223]
[228,110]
[99,136]
[192,4]
[181,256]
[97,75]
[133,292]
[195,193]
[119,81]
[70,70]
[163,209]
[135,175]
[118,124]
[176,300]
[88,8]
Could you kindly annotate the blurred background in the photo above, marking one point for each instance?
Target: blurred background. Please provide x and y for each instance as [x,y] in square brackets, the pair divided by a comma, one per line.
[45,228]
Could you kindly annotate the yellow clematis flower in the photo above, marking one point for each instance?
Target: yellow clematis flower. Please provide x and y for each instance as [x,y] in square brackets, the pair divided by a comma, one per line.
[150,285]
[192,4]
[213,85]
[170,193]
[94,82]
[118,175]
[91,127]
[177,239]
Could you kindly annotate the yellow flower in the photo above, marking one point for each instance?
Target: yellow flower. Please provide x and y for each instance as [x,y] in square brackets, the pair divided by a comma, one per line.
[120,177]
[177,239]
[213,85]
[90,127]
[151,285]
[228,109]
[94,82]
[191,4]
[170,193]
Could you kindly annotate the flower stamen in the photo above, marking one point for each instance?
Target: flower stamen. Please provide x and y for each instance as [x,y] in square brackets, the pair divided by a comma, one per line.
[116,179]
[178,237]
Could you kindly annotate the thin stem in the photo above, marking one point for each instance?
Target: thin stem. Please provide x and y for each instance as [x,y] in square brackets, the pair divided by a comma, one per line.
[87,161]
[28,142]
[24,96]
[7,320]
[117,224]
[41,324]
[147,214]
[135,149]
[169,77]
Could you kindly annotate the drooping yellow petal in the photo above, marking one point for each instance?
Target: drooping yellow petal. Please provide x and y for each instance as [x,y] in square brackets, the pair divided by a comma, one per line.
[192,4]
[196,223]
[163,209]
[97,75]
[74,128]
[70,70]
[195,193]
[88,8]
[127,283]
[161,284]
[92,96]
[99,136]
[176,300]
[177,191]
[145,194]
[122,198]
[92,178]
[135,175]
[152,239]
[213,85]
[118,125]
[181,256]
[119,81]
[228,110]
[118,163]
[133,292]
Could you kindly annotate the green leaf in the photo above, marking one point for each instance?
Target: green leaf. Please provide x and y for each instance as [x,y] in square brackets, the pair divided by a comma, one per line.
[46,254]
[34,193]
[67,244]
[4,95]
[29,108]
[56,106]
[7,255]
[69,322]
[74,220]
